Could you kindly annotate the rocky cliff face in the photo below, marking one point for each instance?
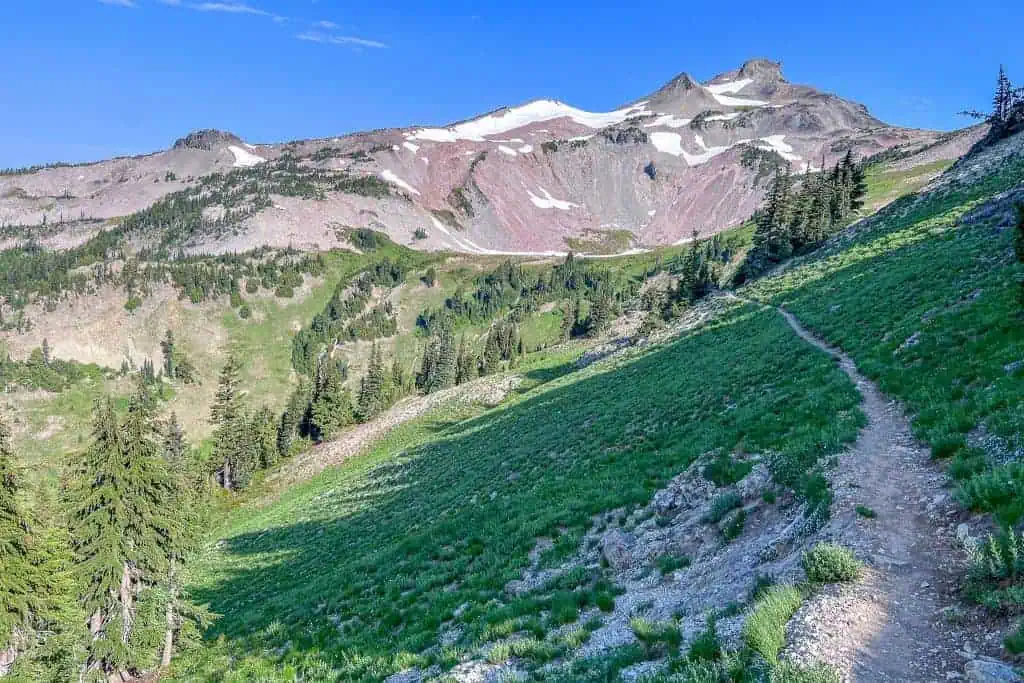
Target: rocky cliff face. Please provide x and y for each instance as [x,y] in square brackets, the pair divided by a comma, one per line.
[538,177]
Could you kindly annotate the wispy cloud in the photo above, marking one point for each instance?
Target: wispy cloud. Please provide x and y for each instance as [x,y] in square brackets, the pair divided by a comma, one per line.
[119,3]
[230,8]
[331,39]
[329,25]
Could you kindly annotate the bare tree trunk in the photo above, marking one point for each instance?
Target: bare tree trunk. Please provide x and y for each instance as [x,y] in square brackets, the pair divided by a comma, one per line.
[126,596]
[227,474]
[172,596]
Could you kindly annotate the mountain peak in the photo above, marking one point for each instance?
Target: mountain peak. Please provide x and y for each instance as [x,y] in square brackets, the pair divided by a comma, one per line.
[762,70]
[206,139]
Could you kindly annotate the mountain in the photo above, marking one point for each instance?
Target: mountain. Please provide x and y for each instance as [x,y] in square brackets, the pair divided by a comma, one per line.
[539,177]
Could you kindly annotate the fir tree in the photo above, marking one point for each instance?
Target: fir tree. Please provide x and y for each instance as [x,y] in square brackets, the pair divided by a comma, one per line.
[46,351]
[232,442]
[295,418]
[466,364]
[174,444]
[371,389]
[331,406]
[16,595]
[167,347]
[122,525]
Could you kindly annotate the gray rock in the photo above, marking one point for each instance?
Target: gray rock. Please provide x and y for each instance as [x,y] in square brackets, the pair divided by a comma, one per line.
[963,533]
[615,547]
[988,670]
[407,676]
[1013,367]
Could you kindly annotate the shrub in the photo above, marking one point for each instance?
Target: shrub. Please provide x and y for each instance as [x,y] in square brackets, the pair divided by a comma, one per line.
[284,292]
[668,563]
[133,303]
[764,631]
[997,567]
[947,446]
[1015,641]
[244,312]
[654,632]
[788,672]
[724,470]
[1000,491]
[830,563]
[706,646]
[865,511]
[722,505]
[733,526]
[252,285]
[769,496]
[419,234]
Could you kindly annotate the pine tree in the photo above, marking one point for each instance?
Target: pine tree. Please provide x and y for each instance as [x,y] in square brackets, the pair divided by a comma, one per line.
[46,351]
[492,352]
[294,419]
[122,523]
[331,405]
[466,365]
[371,389]
[231,438]
[398,383]
[1002,101]
[167,346]
[16,594]
[174,444]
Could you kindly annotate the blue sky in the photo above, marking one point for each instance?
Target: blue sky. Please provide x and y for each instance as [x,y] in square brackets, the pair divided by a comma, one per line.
[88,79]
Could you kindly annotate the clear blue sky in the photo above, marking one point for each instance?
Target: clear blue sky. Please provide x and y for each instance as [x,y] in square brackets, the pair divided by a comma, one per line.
[88,79]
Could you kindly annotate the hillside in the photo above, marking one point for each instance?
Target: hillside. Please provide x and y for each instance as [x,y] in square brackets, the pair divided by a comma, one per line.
[360,409]
[540,177]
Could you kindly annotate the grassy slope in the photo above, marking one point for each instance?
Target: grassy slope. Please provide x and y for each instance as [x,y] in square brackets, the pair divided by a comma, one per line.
[444,512]
[928,308]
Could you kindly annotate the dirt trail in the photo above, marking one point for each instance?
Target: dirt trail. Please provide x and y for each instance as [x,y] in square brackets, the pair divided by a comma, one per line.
[889,626]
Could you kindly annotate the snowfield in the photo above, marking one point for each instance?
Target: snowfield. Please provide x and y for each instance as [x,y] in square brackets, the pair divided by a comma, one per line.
[390,176]
[245,158]
[478,130]
[549,202]
[411,147]
[668,120]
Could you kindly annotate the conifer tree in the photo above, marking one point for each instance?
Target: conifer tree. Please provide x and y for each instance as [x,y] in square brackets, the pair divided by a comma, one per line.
[466,365]
[167,347]
[122,524]
[15,569]
[232,442]
[371,389]
[398,383]
[295,417]
[331,405]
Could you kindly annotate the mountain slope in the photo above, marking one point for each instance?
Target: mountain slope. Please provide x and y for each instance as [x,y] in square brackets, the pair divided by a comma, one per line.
[527,179]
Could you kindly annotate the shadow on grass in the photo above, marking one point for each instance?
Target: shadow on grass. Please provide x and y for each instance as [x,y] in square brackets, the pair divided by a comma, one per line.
[369,559]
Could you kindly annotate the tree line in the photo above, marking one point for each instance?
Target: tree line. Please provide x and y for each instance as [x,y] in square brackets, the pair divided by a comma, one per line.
[796,217]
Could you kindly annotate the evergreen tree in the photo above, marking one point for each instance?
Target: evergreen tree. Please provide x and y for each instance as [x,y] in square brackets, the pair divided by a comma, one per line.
[466,364]
[46,351]
[174,444]
[122,523]
[371,388]
[295,418]
[1018,244]
[491,361]
[16,595]
[233,455]
[167,346]
[331,405]
[398,382]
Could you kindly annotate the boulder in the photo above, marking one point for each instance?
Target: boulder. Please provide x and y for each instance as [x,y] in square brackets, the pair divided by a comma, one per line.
[988,670]
[615,547]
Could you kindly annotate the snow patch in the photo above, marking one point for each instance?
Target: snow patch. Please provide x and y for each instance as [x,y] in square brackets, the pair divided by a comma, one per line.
[672,143]
[506,150]
[652,212]
[411,147]
[525,149]
[395,180]
[776,143]
[395,148]
[425,160]
[729,86]
[549,202]
[517,117]
[245,158]
[668,120]
[738,101]
[723,117]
